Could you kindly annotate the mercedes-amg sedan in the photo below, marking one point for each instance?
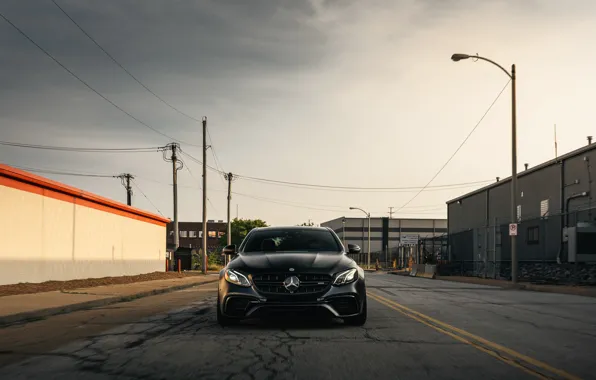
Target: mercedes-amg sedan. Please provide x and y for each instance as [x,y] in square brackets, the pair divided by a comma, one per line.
[291,270]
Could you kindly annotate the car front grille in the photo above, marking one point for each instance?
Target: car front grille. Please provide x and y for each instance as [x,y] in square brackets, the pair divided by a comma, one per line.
[273,283]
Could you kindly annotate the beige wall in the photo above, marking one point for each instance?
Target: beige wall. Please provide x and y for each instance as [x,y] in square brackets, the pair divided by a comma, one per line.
[42,238]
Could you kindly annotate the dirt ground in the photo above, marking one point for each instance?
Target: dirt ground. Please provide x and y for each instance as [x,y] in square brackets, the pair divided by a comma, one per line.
[27,288]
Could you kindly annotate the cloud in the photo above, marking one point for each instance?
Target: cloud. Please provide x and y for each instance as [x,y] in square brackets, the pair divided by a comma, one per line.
[320,91]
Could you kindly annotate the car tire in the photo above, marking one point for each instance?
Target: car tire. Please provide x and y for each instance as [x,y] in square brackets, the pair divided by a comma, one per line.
[358,320]
[222,319]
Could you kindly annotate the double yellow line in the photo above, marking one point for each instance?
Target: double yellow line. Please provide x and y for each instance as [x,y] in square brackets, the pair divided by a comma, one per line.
[525,363]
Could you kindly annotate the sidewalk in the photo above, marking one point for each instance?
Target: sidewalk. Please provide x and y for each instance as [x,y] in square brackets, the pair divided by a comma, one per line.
[29,307]
[586,291]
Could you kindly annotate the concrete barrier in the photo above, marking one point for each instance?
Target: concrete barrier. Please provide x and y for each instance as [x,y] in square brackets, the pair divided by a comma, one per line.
[414,271]
[424,270]
[430,271]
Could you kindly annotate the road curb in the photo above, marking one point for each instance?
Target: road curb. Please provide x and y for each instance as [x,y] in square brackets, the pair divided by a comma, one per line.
[36,315]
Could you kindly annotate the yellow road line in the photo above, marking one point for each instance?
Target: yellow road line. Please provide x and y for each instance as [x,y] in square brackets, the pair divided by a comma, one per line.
[444,328]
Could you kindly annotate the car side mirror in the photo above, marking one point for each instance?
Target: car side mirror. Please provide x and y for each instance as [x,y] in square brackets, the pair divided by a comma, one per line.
[229,250]
[353,248]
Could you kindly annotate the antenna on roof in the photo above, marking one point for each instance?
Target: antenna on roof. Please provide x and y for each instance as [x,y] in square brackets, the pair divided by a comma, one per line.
[556,155]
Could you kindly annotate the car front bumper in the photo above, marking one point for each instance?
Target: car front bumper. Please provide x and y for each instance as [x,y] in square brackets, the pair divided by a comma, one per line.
[336,301]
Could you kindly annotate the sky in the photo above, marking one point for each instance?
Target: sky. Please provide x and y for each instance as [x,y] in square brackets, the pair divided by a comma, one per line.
[340,93]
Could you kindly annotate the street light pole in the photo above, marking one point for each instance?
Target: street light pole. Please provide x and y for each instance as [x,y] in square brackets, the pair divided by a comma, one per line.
[368,216]
[512,76]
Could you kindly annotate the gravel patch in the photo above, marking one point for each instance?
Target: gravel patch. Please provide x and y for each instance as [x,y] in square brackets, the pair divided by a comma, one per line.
[48,286]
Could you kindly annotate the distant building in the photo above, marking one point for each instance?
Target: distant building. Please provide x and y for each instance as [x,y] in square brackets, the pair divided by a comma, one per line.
[386,234]
[555,211]
[191,234]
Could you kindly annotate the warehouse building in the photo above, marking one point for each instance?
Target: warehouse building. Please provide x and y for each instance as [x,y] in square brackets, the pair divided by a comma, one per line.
[555,214]
[386,234]
[51,231]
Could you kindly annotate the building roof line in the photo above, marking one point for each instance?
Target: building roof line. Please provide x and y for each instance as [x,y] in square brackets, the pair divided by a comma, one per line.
[520,174]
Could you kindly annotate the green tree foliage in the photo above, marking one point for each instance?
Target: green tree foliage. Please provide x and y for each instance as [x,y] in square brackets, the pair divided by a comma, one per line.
[309,224]
[241,227]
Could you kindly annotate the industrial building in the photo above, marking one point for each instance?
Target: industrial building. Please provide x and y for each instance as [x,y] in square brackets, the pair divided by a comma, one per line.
[386,234]
[191,234]
[554,210]
[51,231]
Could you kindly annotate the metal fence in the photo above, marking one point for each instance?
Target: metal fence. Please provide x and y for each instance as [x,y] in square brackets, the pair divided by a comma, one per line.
[486,251]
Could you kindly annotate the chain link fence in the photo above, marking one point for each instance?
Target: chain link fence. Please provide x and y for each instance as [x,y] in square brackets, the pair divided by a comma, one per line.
[541,251]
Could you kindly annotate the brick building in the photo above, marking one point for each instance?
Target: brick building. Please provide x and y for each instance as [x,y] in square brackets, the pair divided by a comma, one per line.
[191,234]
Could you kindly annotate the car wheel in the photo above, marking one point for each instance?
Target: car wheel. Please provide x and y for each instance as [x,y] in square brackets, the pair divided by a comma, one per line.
[222,319]
[358,320]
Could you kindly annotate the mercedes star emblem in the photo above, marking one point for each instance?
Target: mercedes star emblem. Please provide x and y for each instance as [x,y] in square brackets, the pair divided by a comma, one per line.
[292,283]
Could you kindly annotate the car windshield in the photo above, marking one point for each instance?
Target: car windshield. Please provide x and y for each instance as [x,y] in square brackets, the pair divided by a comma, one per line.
[292,240]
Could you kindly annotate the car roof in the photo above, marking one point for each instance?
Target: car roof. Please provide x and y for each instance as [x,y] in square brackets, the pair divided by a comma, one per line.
[291,228]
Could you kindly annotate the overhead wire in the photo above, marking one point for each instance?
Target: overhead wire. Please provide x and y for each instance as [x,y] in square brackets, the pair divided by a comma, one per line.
[215,159]
[121,66]
[146,197]
[60,172]
[364,189]
[81,150]
[88,85]
[457,150]
[200,187]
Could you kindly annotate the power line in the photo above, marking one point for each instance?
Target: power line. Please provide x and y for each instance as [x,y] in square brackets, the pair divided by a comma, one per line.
[217,165]
[362,189]
[196,160]
[458,148]
[59,172]
[121,66]
[81,150]
[146,197]
[88,85]
[200,188]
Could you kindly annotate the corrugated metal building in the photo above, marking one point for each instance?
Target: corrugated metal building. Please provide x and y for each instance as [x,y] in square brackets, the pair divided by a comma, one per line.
[386,233]
[551,196]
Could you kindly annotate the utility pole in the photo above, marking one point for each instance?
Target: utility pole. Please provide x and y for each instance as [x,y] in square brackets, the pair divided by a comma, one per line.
[229,177]
[176,166]
[390,212]
[126,178]
[205,237]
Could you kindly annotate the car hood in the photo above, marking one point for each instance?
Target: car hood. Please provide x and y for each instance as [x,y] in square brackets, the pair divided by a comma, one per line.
[301,262]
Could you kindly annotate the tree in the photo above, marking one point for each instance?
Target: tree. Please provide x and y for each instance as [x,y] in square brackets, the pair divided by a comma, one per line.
[309,224]
[241,227]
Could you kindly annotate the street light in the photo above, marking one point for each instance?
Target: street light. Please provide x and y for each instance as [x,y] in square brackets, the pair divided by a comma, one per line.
[368,216]
[459,57]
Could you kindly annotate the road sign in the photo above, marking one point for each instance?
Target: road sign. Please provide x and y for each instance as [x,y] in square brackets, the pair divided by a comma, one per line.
[513,229]
[408,239]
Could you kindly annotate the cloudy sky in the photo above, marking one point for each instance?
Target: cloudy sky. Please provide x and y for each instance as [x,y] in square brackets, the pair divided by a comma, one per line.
[339,93]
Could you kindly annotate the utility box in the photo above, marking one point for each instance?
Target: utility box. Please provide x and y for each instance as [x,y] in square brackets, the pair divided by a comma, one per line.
[581,243]
[184,256]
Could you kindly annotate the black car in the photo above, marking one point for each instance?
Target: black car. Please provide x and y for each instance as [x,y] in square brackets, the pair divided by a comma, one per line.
[291,270]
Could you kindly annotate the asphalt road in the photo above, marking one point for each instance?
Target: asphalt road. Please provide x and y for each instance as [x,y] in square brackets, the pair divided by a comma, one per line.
[417,329]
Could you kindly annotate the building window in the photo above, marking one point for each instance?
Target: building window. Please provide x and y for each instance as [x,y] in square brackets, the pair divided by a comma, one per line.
[533,236]
[192,234]
[212,234]
[544,208]
[183,234]
[221,233]
[171,233]
[200,234]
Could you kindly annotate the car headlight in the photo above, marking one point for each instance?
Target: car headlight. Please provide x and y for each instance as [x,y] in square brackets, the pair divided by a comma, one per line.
[236,278]
[346,277]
